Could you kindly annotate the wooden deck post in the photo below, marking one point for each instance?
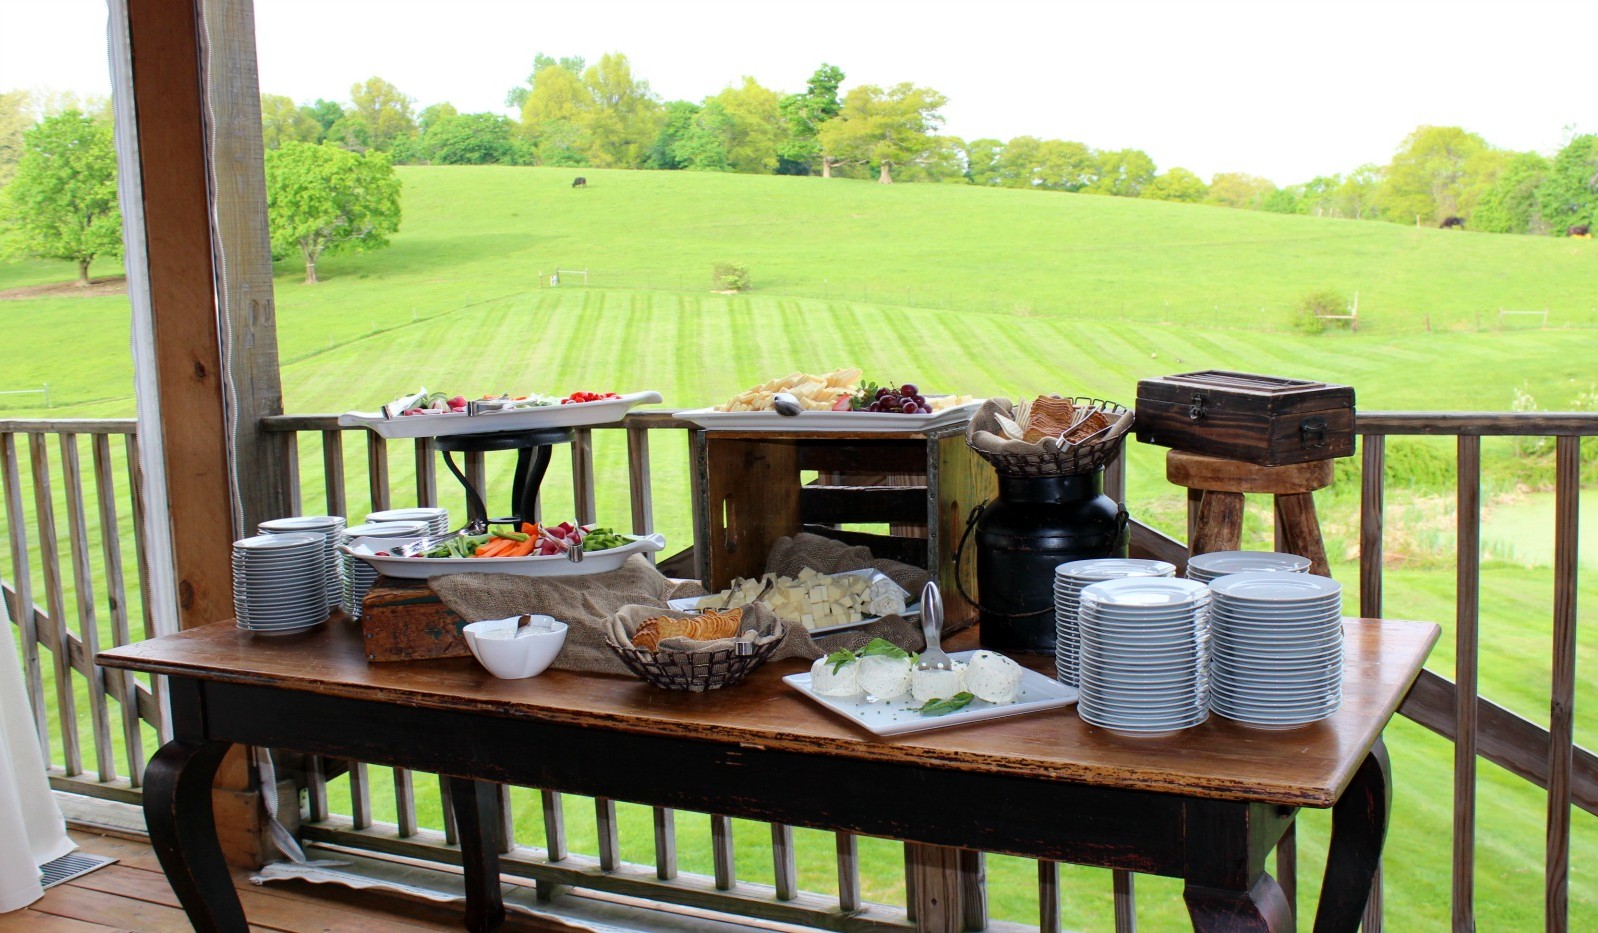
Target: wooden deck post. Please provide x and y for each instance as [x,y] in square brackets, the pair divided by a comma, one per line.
[196,100]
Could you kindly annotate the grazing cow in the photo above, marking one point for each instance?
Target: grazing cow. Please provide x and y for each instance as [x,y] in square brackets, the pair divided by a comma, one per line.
[1579,231]
[1453,223]
[579,182]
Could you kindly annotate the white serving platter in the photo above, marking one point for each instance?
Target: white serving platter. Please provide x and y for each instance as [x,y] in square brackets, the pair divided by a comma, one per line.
[874,422]
[553,565]
[911,610]
[895,717]
[445,424]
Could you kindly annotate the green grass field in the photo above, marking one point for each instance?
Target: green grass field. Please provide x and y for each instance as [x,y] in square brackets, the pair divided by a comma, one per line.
[986,292]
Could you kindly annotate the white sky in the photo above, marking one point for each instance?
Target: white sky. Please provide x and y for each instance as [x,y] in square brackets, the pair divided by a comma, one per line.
[1287,89]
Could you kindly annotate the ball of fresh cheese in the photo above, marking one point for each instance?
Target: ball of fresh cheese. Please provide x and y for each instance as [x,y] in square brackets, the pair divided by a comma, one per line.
[993,677]
[885,677]
[842,682]
[937,685]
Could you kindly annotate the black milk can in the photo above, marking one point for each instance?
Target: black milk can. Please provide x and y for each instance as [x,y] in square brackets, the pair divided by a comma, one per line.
[1035,525]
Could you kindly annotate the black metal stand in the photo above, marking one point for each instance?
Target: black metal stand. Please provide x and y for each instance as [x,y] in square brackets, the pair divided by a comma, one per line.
[532,462]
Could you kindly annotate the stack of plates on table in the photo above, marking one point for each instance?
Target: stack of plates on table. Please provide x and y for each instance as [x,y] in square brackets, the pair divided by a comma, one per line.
[328,526]
[356,576]
[1145,654]
[437,519]
[1277,642]
[1069,578]
[280,582]
[1217,564]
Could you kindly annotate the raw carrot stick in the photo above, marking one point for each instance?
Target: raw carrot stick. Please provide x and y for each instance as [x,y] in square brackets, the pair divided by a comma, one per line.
[492,548]
[530,528]
[521,548]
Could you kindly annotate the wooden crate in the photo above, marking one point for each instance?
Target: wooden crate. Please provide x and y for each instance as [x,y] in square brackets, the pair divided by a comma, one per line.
[749,493]
[1264,420]
[404,620]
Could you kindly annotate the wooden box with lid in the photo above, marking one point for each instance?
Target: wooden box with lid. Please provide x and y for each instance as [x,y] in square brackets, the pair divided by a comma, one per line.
[1264,420]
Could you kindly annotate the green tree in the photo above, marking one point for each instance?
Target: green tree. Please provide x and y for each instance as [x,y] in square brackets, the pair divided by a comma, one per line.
[621,116]
[469,139]
[1065,165]
[1359,193]
[1177,184]
[982,158]
[1569,196]
[1427,178]
[703,147]
[516,97]
[1283,201]
[16,116]
[282,121]
[754,126]
[677,123]
[799,151]
[326,113]
[1510,205]
[552,112]
[1318,196]
[1016,164]
[1235,189]
[63,198]
[382,114]
[325,200]
[882,127]
[1123,173]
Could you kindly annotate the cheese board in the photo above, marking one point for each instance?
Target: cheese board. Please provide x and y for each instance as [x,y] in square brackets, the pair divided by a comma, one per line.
[446,424]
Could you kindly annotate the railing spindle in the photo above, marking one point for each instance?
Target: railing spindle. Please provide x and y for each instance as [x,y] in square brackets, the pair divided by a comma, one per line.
[507,819]
[1372,494]
[451,832]
[721,852]
[609,838]
[848,872]
[583,476]
[974,888]
[333,471]
[1467,608]
[117,601]
[426,474]
[316,787]
[88,618]
[665,820]
[291,471]
[1125,902]
[1287,866]
[784,865]
[404,802]
[141,546]
[554,825]
[360,795]
[1562,703]
[477,475]
[377,470]
[1048,896]
[55,605]
[639,488]
[22,582]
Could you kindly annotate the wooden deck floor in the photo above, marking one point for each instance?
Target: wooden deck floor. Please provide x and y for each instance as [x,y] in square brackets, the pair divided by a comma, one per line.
[134,895]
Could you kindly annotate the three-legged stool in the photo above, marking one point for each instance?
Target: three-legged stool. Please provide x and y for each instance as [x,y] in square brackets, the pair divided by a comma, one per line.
[1215,489]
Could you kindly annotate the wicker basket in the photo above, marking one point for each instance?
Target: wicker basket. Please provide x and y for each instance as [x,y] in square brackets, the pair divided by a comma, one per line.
[1086,458]
[695,671]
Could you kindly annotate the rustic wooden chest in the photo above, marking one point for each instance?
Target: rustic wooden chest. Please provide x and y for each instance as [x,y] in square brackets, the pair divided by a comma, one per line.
[404,620]
[1266,420]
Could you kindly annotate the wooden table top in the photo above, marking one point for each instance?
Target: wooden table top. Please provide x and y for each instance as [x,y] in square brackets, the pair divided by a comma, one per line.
[1307,766]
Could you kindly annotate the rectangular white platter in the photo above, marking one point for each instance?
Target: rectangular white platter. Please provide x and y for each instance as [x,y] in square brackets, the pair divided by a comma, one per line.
[874,422]
[446,424]
[894,717]
[553,565]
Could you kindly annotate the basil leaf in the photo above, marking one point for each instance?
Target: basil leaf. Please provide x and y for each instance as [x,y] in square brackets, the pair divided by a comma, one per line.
[839,658]
[941,707]
[883,647]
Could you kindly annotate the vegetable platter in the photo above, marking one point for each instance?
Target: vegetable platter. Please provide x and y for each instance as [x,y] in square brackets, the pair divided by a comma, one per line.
[374,551]
[444,423]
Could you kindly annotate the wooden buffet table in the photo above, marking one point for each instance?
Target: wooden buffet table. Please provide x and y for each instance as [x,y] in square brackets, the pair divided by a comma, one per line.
[1206,805]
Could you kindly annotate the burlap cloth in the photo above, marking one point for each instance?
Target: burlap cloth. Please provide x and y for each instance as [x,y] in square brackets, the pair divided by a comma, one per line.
[615,603]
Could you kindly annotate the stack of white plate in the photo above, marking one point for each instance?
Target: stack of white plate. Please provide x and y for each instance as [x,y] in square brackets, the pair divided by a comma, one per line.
[1145,654]
[279,582]
[437,519]
[1277,642]
[1217,564]
[1069,578]
[356,576]
[328,526]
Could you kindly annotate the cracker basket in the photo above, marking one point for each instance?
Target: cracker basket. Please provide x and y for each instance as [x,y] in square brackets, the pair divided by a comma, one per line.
[1082,458]
[697,671]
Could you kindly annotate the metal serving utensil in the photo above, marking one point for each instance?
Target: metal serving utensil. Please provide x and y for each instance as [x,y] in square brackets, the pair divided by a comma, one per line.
[574,553]
[933,657]
[785,404]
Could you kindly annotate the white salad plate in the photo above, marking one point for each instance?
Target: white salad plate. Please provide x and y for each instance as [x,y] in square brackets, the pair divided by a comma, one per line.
[1294,588]
[552,565]
[868,421]
[445,424]
[896,717]
[1207,567]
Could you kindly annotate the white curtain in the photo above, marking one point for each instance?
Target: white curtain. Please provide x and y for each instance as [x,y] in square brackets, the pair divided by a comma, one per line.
[30,822]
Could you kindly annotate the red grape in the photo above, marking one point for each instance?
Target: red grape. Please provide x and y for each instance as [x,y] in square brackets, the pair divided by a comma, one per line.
[909,388]
[909,407]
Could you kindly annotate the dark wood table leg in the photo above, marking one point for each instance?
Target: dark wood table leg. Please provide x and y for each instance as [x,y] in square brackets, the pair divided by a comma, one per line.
[1227,888]
[177,812]
[476,805]
[1359,827]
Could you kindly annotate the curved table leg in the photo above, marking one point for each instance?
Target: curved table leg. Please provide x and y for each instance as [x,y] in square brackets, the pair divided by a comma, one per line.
[1263,908]
[177,809]
[1359,827]
[476,805]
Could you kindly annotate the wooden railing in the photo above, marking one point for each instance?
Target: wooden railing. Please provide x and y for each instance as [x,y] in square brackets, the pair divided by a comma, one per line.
[56,529]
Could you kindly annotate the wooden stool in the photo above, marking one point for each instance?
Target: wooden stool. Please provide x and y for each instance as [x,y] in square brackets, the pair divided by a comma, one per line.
[1215,489]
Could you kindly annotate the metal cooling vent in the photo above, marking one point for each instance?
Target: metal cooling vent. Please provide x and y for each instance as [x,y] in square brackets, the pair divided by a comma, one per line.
[68,867]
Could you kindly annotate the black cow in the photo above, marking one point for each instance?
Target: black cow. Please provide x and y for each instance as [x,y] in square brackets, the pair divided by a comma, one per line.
[1453,223]
[1583,231]
[579,182]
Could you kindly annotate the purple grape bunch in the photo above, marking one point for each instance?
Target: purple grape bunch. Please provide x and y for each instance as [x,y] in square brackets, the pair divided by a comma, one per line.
[906,399]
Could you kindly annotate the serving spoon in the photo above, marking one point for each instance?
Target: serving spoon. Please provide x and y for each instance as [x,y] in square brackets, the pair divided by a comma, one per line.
[785,404]
[933,657]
